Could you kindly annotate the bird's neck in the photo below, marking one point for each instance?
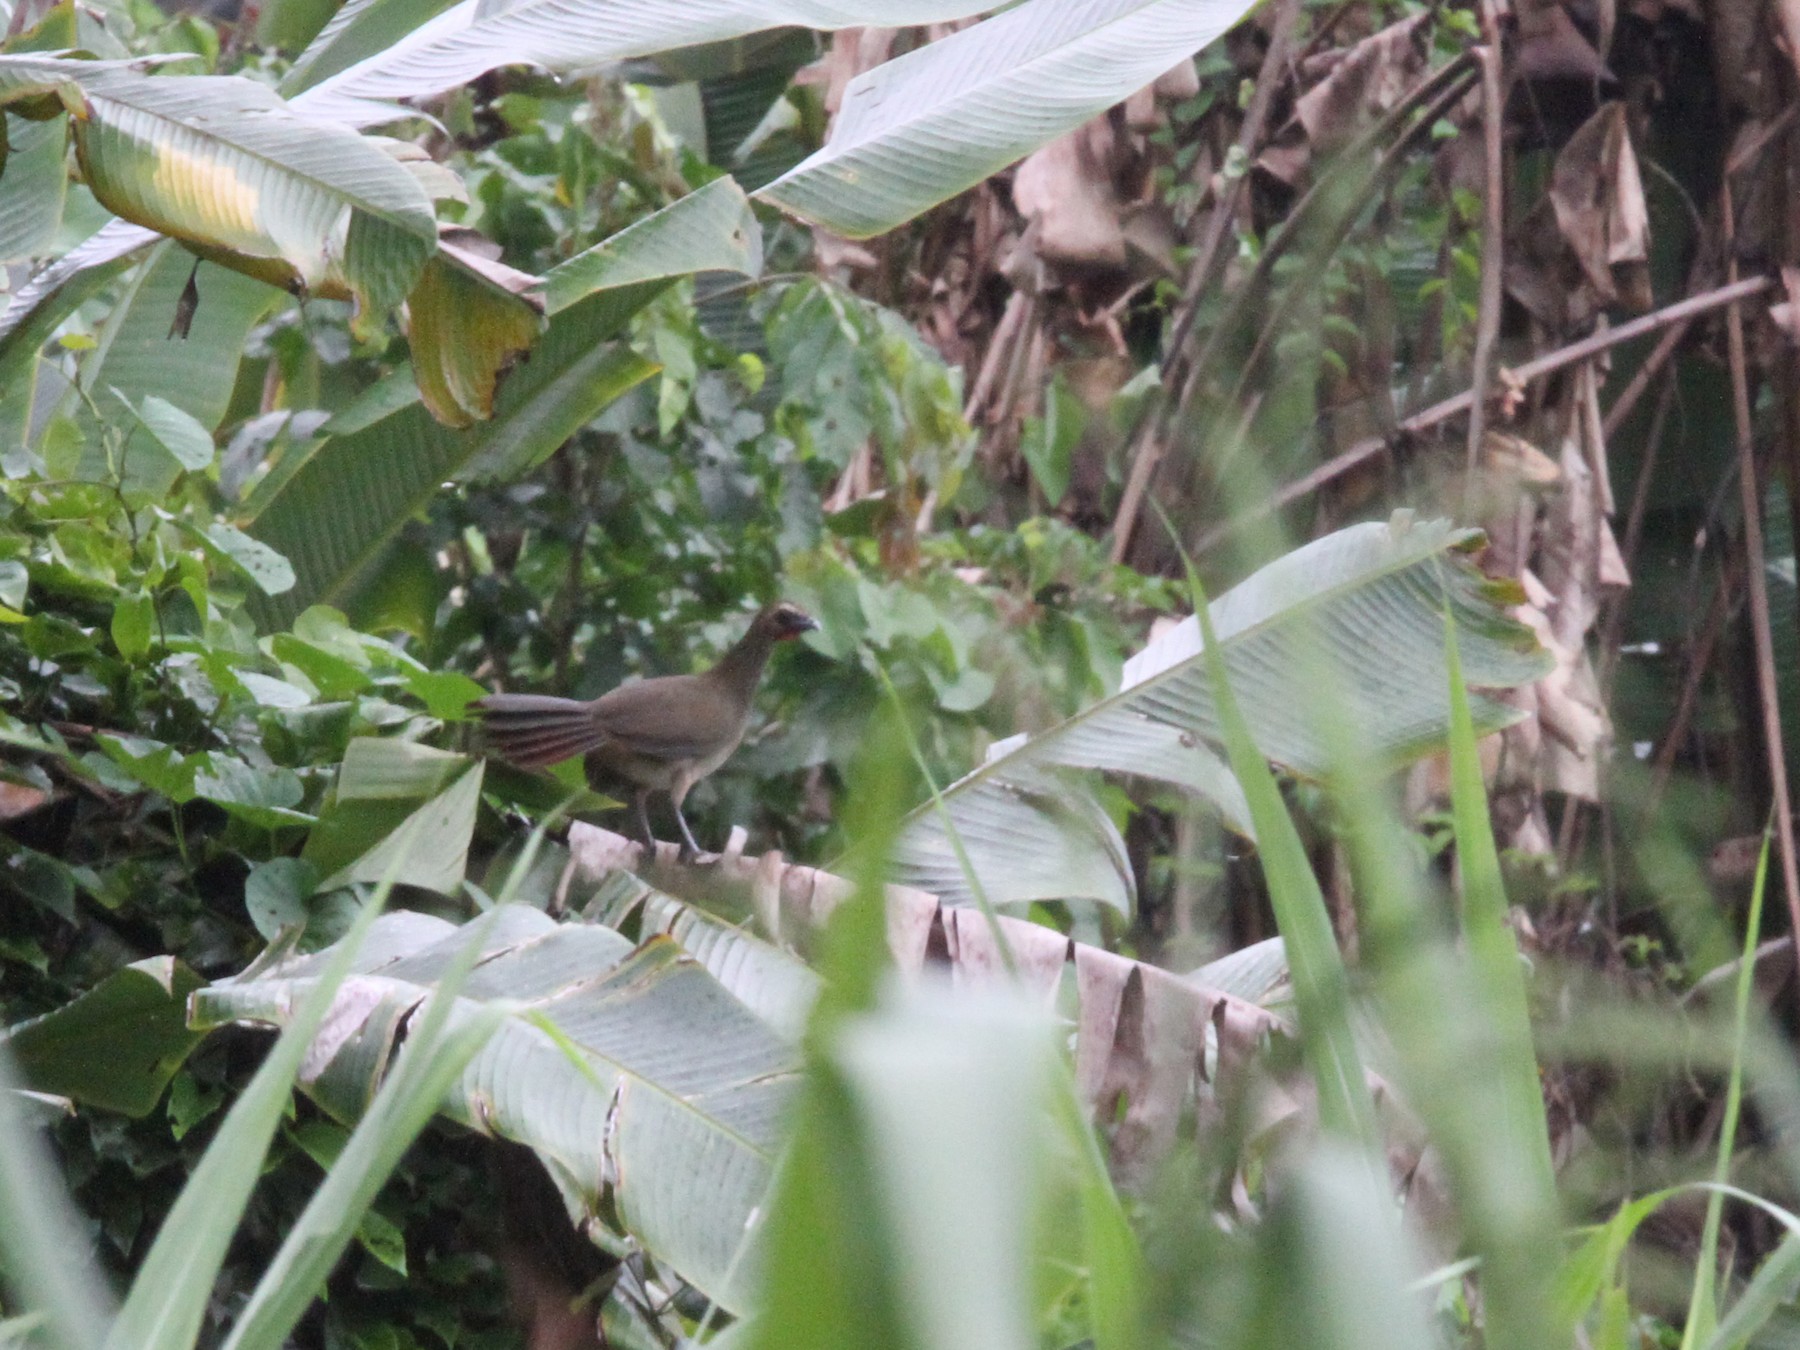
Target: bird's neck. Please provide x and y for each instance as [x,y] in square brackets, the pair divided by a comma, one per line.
[741,668]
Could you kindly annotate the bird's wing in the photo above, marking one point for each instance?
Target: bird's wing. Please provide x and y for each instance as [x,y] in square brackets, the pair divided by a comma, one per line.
[672,717]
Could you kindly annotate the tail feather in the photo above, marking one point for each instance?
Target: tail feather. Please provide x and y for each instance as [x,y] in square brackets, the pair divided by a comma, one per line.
[532,730]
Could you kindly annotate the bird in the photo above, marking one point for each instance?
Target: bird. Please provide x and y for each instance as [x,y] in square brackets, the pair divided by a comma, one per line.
[660,735]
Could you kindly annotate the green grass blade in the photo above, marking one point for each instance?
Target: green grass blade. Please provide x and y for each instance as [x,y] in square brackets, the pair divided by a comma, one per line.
[1517,1184]
[1115,1261]
[43,1251]
[1772,1288]
[1493,952]
[430,1061]
[1703,1310]
[1316,965]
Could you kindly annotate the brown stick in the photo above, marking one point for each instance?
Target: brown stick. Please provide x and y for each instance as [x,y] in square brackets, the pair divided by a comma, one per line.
[1756,582]
[1493,241]
[1548,364]
[1626,403]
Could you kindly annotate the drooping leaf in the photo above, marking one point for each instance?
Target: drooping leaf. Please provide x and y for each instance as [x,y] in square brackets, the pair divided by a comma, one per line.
[629,1071]
[358,30]
[118,1045]
[42,303]
[33,186]
[223,164]
[1139,1034]
[1372,596]
[469,321]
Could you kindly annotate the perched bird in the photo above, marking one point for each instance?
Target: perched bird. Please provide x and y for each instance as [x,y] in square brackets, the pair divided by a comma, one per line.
[659,735]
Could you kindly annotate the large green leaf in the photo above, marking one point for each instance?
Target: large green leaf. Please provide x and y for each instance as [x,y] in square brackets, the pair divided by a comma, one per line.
[33,185]
[223,164]
[632,1073]
[712,229]
[42,303]
[475,37]
[334,514]
[118,1045]
[137,356]
[397,809]
[1363,607]
[772,982]
[940,119]
[1138,1033]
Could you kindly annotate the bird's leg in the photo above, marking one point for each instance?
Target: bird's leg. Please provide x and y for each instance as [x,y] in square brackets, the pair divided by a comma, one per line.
[690,849]
[678,792]
[643,816]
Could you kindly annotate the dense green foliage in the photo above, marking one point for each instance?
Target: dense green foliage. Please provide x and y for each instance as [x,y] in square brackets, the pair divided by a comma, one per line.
[534,397]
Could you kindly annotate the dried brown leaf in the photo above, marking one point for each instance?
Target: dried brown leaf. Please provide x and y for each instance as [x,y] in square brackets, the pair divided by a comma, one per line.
[1598,197]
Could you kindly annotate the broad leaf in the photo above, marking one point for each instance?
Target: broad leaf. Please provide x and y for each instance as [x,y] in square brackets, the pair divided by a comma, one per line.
[634,1075]
[1146,1042]
[136,358]
[1368,601]
[477,36]
[42,303]
[118,1045]
[223,164]
[32,187]
[940,119]
[397,809]
[712,229]
[773,983]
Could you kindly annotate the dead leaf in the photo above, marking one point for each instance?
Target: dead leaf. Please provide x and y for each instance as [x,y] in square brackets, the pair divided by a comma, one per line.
[1066,190]
[1357,86]
[1598,197]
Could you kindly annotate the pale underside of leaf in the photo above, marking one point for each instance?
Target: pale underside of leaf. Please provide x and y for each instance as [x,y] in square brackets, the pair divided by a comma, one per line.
[1141,1035]
[222,163]
[1361,609]
[572,35]
[671,1102]
[929,124]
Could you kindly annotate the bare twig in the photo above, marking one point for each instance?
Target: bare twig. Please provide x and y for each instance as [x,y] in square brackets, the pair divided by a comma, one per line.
[1756,583]
[1548,364]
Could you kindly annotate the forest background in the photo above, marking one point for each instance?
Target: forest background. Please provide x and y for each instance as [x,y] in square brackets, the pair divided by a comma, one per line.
[357,362]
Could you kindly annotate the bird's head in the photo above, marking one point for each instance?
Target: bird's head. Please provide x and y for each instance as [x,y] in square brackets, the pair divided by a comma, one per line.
[783,621]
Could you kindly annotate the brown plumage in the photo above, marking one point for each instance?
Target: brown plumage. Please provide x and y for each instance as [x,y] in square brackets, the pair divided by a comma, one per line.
[659,735]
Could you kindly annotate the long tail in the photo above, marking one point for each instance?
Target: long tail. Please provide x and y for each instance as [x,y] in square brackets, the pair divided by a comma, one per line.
[535,729]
